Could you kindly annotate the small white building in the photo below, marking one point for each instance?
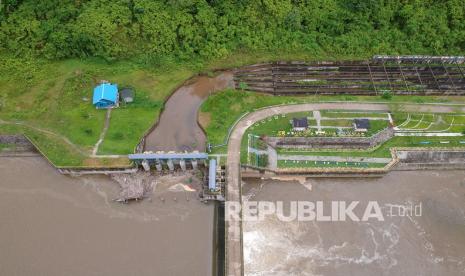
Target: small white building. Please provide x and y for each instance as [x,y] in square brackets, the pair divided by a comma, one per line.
[299,124]
[127,95]
[361,125]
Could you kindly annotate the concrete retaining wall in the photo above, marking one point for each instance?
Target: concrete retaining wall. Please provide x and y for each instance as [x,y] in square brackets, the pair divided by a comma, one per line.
[442,156]
[19,142]
[431,160]
[331,142]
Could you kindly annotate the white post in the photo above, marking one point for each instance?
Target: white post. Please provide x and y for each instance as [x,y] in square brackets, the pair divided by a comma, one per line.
[170,164]
[182,163]
[158,166]
[146,165]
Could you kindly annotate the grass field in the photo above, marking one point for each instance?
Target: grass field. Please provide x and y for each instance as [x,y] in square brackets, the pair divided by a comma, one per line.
[56,96]
[279,124]
[431,122]
[4,146]
[272,125]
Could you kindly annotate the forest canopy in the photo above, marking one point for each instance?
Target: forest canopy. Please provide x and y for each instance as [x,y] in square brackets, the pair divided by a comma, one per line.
[114,29]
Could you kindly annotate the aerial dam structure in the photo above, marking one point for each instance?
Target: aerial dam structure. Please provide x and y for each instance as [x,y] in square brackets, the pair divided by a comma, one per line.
[234,239]
[177,140]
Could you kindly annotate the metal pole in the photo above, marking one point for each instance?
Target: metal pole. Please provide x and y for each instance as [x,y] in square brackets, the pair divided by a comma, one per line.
[371,77]
[387,76]
[403,77]
[434,77]
[419,77]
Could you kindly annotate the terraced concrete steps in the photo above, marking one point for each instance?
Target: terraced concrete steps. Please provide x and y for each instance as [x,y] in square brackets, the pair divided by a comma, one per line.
[356,78]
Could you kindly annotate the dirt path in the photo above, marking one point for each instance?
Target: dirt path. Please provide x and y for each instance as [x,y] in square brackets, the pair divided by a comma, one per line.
[103,133]
[317,116]
[234,261]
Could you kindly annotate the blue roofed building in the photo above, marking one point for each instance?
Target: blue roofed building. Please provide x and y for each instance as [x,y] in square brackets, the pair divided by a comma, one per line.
[105,95]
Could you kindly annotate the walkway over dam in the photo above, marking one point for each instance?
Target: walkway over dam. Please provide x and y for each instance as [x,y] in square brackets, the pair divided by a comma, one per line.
[234,239]
[160,160]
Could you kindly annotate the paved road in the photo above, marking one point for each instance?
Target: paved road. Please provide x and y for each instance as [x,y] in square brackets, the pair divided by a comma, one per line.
[234,254]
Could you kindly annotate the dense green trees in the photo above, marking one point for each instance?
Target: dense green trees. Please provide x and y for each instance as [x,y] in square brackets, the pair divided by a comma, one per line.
[214,28]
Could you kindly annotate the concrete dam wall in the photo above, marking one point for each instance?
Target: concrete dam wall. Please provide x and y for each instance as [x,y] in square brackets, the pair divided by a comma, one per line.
[432,159]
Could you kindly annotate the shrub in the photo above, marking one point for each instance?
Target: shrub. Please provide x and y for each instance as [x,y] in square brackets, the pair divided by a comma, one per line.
[118,136]
[243,86]
[88,131]
[387,95]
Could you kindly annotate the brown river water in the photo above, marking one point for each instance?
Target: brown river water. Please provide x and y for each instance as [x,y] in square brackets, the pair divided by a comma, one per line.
[53,224]
[177,128]
[432,243]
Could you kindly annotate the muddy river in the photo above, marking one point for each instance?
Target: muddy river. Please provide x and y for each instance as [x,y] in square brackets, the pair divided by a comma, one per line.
[430,243]
[177,128]
[53,224]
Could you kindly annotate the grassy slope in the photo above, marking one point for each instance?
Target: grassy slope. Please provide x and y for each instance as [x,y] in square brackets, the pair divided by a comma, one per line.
[56,96]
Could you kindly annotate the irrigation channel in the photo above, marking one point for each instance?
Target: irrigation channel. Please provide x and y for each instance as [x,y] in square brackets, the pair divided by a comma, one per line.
[177,129]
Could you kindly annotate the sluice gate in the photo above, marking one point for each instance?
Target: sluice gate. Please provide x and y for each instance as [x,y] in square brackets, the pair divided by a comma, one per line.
[170,161]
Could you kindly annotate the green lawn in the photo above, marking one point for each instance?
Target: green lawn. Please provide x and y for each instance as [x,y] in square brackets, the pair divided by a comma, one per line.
[56,150]
[57,97]
[272,125]
[4,146]
[276,125]
[431,121]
